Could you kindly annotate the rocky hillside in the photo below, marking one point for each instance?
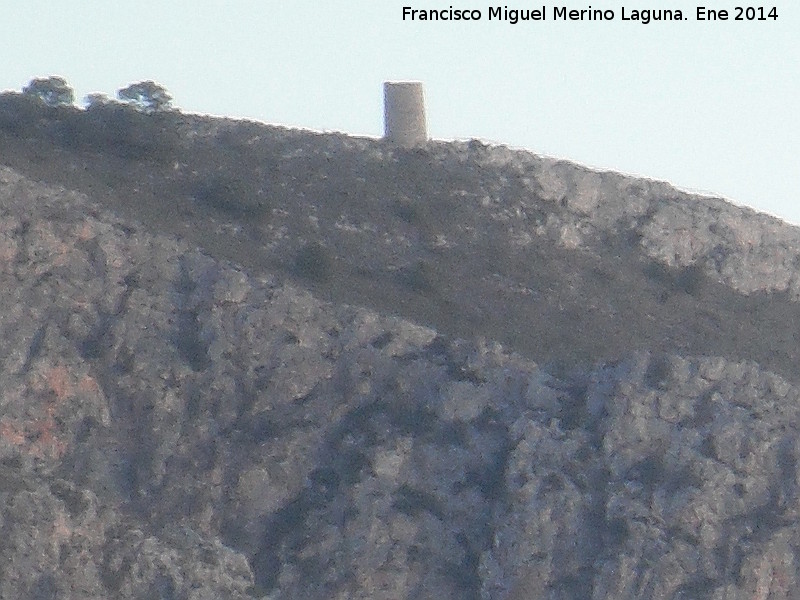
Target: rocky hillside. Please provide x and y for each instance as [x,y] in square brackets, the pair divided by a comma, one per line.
[462,237]
[263,363]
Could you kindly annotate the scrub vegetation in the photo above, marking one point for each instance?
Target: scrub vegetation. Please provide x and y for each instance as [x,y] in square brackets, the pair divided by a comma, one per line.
[423,233]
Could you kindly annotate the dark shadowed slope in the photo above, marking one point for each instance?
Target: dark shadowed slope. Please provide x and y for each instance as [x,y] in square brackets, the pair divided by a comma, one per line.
[565,265]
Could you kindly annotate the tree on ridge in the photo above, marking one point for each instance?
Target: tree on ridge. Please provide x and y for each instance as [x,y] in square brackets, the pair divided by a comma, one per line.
[53,90]
[147,96]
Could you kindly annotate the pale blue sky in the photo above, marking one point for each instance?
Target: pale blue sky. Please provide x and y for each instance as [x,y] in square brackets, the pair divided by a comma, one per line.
[708,106]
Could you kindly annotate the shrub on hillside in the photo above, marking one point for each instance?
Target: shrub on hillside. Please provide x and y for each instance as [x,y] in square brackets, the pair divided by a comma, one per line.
[97,100]
[229,194]
[419,276]
[313,262]
[19,114]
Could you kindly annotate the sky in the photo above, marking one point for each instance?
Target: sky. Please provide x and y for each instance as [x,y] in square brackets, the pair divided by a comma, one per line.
[709,106]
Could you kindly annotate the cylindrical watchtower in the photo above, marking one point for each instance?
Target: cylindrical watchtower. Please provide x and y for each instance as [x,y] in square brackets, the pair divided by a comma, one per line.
[404,113]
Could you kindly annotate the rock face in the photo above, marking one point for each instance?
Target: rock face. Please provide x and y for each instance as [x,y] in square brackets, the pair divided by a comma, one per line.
[177,426]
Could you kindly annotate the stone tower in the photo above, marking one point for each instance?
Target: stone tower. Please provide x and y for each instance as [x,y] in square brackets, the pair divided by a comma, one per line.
[404,113]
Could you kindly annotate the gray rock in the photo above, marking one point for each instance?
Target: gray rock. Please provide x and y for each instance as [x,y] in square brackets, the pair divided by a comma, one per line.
[176,425]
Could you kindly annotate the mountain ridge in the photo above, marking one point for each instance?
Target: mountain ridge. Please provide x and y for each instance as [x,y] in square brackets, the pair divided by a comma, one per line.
[380,224]
[177,423]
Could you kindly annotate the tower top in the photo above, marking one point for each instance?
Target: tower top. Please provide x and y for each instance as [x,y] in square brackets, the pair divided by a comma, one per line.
[404,113]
